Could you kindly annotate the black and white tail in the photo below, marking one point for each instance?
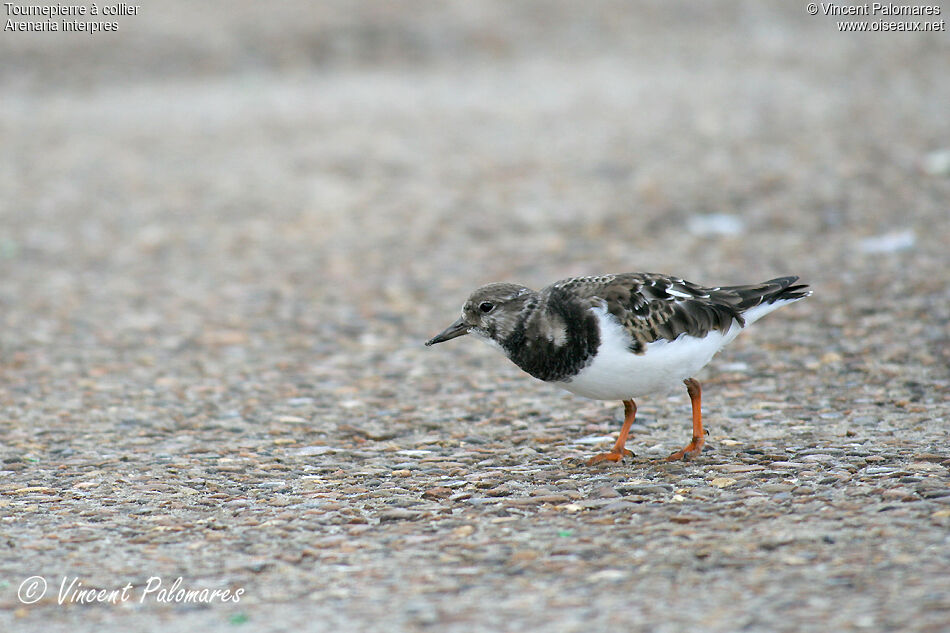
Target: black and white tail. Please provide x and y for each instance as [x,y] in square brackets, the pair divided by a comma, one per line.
[757,300]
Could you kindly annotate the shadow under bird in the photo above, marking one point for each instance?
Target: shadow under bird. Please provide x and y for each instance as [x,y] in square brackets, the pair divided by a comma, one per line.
[619,337]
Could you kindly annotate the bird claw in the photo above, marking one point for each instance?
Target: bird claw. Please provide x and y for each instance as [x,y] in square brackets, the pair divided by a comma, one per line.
[691,450]
[612,456]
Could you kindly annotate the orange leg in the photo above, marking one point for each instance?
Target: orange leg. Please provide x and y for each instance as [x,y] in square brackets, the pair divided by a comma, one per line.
[618,452]
[695,447]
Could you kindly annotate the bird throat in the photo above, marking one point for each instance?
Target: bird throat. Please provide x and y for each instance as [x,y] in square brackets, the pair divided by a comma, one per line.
[554,341]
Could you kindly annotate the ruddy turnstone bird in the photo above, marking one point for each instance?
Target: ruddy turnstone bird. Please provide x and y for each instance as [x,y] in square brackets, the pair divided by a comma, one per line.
[619,337]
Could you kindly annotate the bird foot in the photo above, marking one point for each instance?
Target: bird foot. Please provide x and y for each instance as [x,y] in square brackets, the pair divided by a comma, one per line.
[612,456]
[691,450]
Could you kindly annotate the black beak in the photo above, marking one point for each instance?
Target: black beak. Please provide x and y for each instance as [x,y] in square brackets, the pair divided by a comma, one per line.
[453,331]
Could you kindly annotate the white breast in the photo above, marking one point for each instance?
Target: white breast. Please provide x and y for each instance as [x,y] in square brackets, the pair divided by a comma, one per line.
[616,373]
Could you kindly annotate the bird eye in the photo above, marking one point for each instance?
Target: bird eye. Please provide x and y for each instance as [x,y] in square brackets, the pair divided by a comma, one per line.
[486,306]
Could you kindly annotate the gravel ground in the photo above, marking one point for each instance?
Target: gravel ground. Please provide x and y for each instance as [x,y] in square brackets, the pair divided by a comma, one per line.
[226,230]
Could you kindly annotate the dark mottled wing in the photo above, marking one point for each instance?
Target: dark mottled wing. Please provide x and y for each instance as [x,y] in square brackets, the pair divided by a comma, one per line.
[653,307]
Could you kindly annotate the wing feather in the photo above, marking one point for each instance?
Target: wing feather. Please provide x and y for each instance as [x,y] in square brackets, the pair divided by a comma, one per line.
[653,307]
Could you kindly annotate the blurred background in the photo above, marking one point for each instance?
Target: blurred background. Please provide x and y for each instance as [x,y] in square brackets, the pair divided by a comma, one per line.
[295,172]
[306,192]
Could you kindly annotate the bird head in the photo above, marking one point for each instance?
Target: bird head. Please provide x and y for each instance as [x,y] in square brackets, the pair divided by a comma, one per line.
[491,312]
